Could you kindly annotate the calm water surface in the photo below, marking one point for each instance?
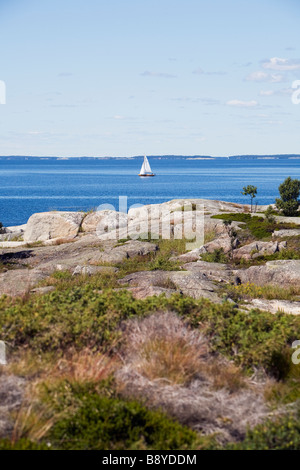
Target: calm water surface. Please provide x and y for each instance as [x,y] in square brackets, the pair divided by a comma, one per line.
[42,185]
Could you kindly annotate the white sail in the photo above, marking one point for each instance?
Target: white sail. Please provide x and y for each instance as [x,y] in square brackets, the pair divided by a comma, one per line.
[143,169]
[147,165]
[146,168]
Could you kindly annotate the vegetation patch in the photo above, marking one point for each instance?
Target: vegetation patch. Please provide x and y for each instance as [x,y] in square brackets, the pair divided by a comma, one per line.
[258,227]
[280,434]
[249,291]
[103,423]
[218,256]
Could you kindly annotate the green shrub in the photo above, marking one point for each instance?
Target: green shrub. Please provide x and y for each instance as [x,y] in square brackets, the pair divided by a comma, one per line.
[102,423]
[218,256]
[22,444]
[249,338]
[270,215]
[162,263]
[258,227]
[79,316]
[280,434]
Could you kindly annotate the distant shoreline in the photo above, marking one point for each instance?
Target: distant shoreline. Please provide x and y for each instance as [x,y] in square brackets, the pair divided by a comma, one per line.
[156,157]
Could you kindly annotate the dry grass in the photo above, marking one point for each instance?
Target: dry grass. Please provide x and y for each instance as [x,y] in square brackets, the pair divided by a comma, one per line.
[198,405]
[171,359]
[33,422]
[34,419]
[84,366]
[62,241]
[168,366]
[209,236]
[29,365]
[268,291]
[225,375]
[166,284]
[162,347]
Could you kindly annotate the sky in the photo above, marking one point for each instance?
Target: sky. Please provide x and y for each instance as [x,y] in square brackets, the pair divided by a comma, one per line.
[155,77]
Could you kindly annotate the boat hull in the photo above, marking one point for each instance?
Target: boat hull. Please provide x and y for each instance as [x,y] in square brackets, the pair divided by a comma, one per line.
[146,176]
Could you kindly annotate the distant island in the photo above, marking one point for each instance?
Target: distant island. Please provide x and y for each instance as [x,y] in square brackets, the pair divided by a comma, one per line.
[158,157]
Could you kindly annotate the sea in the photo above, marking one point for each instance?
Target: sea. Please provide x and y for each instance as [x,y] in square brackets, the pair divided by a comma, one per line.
[34,185]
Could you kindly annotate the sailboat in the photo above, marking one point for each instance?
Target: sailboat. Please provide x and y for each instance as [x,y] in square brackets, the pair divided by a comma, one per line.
[146,168]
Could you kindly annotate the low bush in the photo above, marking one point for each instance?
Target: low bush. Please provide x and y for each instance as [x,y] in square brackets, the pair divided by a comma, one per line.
[258,227]
[218,256]
[249,338]
[250,290]
[103,423]
[82,316]
[22,444]
[280,434]
[79,317]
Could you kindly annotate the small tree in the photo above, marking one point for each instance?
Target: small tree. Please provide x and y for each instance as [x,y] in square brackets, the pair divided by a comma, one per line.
[270,216]
[250,191]
[289,191]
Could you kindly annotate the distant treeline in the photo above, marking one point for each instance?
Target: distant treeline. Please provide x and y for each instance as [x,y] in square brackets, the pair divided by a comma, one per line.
[157,157]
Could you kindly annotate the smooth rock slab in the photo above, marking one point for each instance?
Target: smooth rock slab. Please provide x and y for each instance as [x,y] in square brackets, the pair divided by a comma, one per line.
[12,236]
[11,244]
[43,290]
[256,249]
[192,284]
[47,225]
[19,281]
[282,273]
[286,233]
[130,249]
[89,270]
[150,291]
[275,306]
[104,221]
[211,271]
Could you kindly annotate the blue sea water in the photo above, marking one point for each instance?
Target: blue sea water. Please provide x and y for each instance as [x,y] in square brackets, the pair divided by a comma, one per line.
[33,186]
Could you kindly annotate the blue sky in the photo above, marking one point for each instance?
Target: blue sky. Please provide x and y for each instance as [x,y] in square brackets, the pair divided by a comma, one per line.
[124,78]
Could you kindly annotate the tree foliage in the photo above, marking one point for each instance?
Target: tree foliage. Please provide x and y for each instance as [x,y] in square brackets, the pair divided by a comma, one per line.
[289,191]
[250,191]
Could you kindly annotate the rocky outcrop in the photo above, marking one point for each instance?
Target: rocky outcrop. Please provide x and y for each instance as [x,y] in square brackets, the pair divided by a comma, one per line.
[116,254]
[193,284]
[48,225]
[275,306]
[11,236]
[11,244]
[282,273]
[149,291]
[89,270]
[102,222]
[11,396]
[225,242]
[286,233]
[211,271]
[19,281]
[256,249]
[94,242]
